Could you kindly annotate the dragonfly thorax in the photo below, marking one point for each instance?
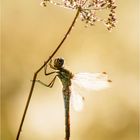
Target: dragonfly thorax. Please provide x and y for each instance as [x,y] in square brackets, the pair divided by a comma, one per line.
[65,76]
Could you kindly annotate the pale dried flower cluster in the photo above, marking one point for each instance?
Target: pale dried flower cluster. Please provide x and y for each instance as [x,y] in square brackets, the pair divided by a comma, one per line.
[91,11]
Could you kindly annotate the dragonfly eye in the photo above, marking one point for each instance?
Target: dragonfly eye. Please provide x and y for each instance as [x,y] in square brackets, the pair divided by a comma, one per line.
[58,62]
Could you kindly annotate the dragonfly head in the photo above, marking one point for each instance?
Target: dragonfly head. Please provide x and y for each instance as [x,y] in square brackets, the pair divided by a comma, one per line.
[58,62]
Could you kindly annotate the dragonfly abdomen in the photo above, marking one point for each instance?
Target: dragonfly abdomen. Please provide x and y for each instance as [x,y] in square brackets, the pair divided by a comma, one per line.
[66,95]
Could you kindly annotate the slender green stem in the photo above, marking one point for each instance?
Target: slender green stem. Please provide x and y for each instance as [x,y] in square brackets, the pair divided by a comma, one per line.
[36,73]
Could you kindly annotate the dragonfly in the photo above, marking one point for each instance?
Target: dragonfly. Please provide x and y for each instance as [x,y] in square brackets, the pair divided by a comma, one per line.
[90,81]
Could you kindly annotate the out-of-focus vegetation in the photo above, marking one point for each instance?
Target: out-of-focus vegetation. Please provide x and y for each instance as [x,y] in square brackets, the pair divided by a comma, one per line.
[30,33]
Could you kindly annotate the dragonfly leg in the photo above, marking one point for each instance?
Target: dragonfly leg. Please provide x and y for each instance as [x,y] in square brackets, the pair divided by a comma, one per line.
[50,73]
[45,69]
[52,82]
[51,66]
[50,85]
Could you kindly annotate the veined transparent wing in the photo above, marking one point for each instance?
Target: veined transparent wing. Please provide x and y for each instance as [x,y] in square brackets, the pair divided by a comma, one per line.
[92,81]
[77,101]
[88,81]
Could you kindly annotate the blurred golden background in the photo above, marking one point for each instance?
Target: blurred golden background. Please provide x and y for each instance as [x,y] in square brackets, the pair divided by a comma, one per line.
[29,34]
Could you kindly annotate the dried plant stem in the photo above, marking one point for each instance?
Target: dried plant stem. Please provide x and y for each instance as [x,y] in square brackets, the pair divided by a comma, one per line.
[36,73]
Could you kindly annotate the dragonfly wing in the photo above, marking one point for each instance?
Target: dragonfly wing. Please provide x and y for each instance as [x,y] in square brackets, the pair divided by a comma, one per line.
[77,101]
[92,81]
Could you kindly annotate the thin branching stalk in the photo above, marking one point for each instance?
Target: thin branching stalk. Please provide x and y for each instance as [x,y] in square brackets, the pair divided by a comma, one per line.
[37,72]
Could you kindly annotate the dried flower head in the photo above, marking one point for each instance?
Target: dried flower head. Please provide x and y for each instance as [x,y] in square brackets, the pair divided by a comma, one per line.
[91,11]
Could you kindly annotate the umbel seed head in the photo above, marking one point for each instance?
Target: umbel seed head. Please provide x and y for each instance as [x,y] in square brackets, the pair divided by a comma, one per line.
[43,3]
[91,11]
